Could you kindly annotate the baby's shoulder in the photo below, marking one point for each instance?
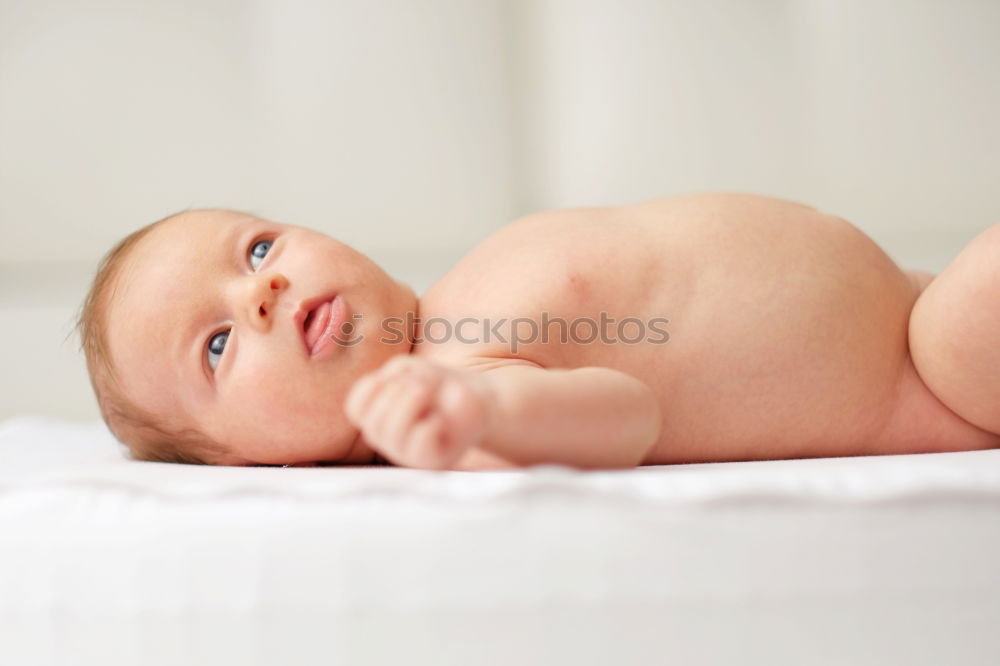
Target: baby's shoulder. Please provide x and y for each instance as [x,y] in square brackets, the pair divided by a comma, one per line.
[512,267]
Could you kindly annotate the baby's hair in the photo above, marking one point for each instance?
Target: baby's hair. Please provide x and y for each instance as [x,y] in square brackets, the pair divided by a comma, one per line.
[147,436]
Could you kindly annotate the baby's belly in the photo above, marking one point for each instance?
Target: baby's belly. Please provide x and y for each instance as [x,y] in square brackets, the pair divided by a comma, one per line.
[795,345]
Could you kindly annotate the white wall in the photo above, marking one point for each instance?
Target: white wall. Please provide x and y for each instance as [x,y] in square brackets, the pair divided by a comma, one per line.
[884,112]
[384,122]
[412,129]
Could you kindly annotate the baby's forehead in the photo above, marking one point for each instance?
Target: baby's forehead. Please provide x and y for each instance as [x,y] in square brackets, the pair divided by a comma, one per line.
[203,220]
[167,259]
[186,237]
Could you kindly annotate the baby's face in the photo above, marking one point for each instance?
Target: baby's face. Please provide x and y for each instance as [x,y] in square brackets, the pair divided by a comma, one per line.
[217,324]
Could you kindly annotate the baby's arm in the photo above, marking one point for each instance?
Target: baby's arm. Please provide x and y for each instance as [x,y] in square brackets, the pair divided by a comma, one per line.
[422,414]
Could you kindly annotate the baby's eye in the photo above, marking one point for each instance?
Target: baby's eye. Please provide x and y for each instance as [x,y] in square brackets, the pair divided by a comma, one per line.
[258,251]
[216,345]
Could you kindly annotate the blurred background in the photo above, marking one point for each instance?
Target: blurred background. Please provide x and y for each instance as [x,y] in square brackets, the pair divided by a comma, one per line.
[412,129]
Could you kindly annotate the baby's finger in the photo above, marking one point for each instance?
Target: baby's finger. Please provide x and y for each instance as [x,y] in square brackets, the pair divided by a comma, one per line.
[383,407]
[425,446]
[411,404]
[360,396]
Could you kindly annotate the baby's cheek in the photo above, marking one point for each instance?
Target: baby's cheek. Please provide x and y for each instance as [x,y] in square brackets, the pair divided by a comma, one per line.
[292,406]
[302,411]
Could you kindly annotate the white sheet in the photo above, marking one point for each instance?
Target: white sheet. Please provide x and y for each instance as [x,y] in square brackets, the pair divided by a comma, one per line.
[852,560]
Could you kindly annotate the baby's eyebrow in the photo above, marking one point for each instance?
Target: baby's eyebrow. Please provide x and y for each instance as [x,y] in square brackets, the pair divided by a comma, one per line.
[227,245]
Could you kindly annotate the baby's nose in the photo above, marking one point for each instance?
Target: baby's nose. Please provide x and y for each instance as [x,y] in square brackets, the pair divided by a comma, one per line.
[266,294]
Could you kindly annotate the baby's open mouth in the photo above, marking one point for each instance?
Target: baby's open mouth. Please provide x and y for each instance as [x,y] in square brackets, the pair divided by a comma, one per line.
[318,325]
[315,324]
[308,320]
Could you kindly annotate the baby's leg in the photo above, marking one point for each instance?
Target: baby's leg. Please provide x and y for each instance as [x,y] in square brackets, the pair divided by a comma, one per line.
[955,333]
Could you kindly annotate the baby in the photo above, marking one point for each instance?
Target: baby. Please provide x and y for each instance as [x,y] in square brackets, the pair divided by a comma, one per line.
[713,327]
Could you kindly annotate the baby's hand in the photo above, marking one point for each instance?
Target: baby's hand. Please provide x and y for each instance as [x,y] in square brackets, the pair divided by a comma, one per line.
[420,414]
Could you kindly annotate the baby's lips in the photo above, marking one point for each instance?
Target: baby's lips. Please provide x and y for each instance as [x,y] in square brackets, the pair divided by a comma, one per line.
[306,308]
[315,323]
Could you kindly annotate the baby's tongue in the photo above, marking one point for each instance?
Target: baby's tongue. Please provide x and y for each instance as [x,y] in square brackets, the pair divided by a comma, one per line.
[317,324]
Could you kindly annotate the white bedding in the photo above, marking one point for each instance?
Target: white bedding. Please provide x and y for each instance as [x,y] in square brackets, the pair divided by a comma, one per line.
[874,560]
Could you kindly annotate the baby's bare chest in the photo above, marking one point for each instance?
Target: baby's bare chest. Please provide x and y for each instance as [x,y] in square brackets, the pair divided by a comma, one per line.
[740,312]
[654,286]
[559,295]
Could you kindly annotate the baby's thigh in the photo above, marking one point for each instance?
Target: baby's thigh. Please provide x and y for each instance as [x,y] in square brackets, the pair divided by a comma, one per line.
[955,330]
[921,422]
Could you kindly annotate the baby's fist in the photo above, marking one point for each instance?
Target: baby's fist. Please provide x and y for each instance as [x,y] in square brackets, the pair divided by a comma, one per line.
[418,413]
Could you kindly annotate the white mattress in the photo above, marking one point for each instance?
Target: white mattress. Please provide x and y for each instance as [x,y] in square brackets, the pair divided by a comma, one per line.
[880,560]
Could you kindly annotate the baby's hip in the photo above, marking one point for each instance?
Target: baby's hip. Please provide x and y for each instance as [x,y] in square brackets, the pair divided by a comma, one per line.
[831,377]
